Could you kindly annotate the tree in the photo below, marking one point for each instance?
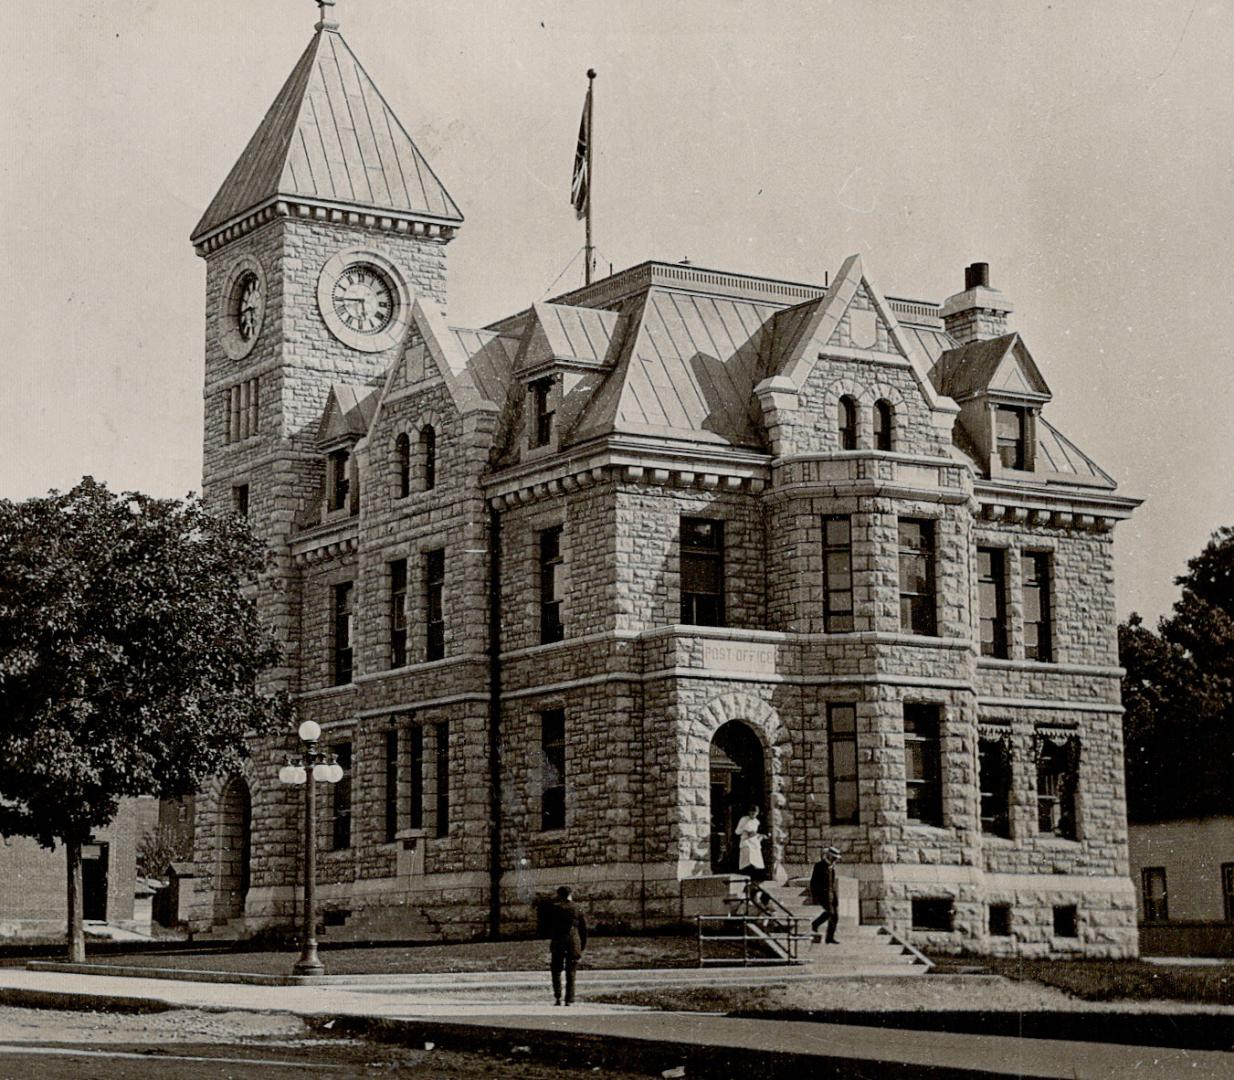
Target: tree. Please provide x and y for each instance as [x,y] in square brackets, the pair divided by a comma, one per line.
[130,654]
[1178,692]
[157,850]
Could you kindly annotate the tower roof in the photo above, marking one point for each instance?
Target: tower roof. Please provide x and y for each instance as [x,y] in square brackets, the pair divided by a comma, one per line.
[330,140]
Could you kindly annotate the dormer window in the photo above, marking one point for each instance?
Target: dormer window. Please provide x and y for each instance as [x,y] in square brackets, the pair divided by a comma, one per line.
[428,457]
[884,425]
[1011,434]
[542,413]
[848,423]
[338,479]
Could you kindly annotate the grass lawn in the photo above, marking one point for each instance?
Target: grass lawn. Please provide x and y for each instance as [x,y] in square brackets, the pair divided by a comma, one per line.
[602,952]
[1123,980]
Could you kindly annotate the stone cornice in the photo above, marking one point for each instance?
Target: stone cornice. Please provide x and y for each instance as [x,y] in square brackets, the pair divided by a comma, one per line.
[326,541]
[419,224]
[628,462]
[1093,510]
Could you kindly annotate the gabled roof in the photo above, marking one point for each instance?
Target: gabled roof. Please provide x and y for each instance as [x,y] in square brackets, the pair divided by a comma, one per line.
[998,364]
[330,137]
[348,413]
[812,323]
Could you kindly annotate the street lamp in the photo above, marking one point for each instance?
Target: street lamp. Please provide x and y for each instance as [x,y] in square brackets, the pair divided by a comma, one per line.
[312,766]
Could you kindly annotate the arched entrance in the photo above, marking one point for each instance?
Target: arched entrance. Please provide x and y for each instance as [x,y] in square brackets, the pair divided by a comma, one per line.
[231,882]
[736,784]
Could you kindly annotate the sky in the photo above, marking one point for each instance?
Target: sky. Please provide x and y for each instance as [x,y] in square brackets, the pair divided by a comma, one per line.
[1083,150]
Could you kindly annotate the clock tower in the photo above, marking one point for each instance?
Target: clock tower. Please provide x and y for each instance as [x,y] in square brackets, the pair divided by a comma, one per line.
[323,234]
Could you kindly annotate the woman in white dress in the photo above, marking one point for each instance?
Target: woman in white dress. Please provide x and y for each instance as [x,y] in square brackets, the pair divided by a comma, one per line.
[750,852]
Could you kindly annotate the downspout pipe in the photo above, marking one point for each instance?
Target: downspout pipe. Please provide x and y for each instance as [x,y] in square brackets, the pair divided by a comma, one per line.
[494,721]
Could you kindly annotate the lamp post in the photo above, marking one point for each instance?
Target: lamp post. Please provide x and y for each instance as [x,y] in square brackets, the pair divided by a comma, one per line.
[311,766]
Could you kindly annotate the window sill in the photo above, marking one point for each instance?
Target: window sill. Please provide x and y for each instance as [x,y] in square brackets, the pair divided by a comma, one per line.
[998,841]
[1057,841]
[553,834]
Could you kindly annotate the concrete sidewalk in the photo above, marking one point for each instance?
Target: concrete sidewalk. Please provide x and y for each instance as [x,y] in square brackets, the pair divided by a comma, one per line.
[708,1045]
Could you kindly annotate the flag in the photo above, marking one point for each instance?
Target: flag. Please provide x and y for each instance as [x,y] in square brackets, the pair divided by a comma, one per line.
[580,186]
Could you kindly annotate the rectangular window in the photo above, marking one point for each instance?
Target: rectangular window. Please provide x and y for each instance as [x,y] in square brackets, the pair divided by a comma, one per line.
[415,775]
[553,769]
[1066,922]
[1058,766]
[837,574]
[542,417]
[995,783]
[1035,575]
[391,793]
[702,572]
[341,817]
[1152,882]
[922,776]
[434,604]
[992,599]
[842,762]
[343,619]
[398,613]
[932,913]
[552,586]
[917,576]
[1012,435]
[240,499]
[1000,920]
[338,479]
[442,732]
[1227,889]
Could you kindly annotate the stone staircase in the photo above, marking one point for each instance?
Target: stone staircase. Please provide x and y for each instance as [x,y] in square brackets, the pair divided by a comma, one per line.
[861,950]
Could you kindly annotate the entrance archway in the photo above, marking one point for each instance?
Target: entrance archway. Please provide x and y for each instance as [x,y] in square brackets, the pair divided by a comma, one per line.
[736,761]
[231,883]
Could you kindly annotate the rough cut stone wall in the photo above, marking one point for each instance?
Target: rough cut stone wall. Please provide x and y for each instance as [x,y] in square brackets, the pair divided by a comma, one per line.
[648,523]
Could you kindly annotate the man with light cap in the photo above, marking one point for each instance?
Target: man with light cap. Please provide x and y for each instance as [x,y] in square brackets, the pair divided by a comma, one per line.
[826,894]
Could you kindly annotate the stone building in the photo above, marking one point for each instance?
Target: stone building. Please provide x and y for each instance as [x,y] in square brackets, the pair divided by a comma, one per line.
[569,591]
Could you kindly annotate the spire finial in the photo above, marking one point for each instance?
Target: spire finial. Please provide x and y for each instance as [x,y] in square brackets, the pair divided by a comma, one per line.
[325,22]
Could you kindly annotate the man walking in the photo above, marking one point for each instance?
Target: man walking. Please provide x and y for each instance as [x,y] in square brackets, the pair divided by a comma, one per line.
[826,894]
[567,931]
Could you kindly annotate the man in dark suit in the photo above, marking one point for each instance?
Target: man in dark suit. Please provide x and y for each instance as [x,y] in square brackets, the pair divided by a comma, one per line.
[567,931]
[826,894]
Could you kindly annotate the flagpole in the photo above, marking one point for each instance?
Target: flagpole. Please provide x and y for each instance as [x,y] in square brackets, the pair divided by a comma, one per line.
[591,176]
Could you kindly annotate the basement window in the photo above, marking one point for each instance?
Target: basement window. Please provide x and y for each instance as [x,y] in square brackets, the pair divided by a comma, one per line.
[1000,920]
[1065,921]
[932,913]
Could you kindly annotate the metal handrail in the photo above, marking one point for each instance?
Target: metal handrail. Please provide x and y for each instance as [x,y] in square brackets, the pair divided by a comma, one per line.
[754,928]
[761,899]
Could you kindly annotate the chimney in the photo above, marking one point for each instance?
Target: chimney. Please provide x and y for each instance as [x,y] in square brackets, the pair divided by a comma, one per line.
[979,312]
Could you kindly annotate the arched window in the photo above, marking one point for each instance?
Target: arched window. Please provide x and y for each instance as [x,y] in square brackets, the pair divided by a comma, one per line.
[884,425]
[848,423]
[402,463]
[428,453]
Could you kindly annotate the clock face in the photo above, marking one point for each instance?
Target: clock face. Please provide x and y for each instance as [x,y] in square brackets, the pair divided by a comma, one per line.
[248,306]
[242,307]
[363,299]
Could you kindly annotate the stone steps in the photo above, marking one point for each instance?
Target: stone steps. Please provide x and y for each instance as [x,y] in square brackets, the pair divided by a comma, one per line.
[860,950]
